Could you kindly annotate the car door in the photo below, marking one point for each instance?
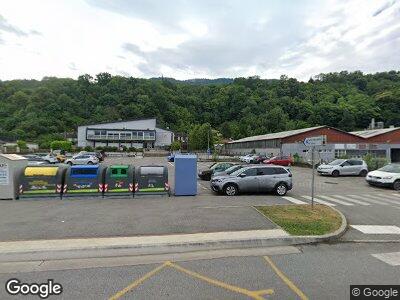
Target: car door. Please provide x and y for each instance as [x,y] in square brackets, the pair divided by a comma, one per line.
[355,166]
[80,159]
[266,179]
[345,168]
[249,183]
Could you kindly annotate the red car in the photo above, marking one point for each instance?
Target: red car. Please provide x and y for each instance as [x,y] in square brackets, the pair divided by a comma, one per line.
[279,160]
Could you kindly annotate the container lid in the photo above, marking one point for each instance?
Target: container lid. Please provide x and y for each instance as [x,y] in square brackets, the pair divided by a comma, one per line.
[119,167]
[41,171]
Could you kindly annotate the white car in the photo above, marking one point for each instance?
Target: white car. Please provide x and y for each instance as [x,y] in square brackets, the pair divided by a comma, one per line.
[243,158]
[48,157]
[249,159]
[340,167]
[84,159]
[388,176]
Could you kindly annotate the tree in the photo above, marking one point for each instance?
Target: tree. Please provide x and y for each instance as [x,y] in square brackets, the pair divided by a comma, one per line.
[176,145]
[61,145]
[22,145]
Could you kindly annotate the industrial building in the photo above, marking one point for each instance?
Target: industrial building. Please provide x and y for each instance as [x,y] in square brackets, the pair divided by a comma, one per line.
[378,142]
[141,133]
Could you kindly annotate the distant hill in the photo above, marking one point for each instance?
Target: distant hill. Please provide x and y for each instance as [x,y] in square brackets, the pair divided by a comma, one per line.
[47,109]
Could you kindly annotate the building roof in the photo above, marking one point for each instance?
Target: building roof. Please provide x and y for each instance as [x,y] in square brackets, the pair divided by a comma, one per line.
[276,135]
[373,132]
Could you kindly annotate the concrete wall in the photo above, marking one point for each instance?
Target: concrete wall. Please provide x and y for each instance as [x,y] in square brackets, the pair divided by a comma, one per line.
[163,137]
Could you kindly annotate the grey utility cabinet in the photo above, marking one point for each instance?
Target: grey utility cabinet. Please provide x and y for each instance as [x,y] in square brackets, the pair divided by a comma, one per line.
[11,168]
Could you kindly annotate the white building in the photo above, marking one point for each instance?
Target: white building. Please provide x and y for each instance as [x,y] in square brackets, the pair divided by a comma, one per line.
[141,133]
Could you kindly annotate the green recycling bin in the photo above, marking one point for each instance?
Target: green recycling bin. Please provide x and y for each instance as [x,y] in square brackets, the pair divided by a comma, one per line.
[151,180]
[119,180]
[41,181]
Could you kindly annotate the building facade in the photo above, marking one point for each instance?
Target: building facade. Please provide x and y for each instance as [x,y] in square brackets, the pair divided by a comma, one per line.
[378,142]
[141,133]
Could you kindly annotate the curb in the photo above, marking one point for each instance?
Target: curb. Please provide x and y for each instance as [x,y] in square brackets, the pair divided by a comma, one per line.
[278,238]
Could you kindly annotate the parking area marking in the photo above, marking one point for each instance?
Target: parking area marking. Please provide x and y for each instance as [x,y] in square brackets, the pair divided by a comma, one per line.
[392,258]
[171,163]
[319,200]
[352,200]
[377,229]
[369,199]
[252,294]
[138,282]
[335,200]
[294,200]
[257,295]
[285,279]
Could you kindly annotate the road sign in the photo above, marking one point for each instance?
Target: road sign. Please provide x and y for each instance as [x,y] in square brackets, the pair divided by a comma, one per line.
[314,141]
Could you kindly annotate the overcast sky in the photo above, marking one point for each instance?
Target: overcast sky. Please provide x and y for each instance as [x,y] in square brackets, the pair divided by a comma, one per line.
[197,38]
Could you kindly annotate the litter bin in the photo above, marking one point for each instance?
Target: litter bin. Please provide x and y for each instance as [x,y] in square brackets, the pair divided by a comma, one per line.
[84,180]
[119,180]
[11,168]
[41,181]
[185,175]
[151,180]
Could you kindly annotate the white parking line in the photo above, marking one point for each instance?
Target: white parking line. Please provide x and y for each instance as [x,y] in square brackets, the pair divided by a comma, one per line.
[377,229]
[392,258]
[387,199]
[368,198]
[171,163]
[294,200]
[351,200]
[335,200]
[319,201]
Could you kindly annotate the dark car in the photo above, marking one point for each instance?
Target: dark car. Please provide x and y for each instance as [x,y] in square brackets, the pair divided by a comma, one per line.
[259,159]
[217,167]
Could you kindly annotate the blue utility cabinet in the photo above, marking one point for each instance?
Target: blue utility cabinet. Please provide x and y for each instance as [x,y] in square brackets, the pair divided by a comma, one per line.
[185,175]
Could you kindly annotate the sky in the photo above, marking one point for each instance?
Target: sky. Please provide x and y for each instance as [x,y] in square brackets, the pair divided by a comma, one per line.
[197,39]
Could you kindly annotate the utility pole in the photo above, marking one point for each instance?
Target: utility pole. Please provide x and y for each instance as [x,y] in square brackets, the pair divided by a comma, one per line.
[313,176]
[208,143]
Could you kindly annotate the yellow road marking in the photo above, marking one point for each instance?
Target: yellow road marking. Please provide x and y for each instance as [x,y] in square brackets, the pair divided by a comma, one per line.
[139,281]
[285,279]
[252,294]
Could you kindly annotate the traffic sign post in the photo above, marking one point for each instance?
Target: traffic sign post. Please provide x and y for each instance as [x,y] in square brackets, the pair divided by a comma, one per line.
[312,142]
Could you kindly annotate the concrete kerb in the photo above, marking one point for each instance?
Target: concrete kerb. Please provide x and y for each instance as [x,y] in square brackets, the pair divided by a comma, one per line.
[169,243]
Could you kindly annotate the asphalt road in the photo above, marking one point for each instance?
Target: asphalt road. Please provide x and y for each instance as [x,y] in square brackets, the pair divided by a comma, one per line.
[207,212]
[309,272]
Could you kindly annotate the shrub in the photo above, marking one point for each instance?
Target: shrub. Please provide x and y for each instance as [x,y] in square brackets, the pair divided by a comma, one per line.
[88,148]
[375,162]
[176,145]
[61,145]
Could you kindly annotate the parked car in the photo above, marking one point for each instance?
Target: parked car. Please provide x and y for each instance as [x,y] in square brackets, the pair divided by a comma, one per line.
[387,176]
[248,159]
[243,158]
[339,167]
[35,160]
[48,157]
[279,160]
[100,155]
[259,159]
[227,171]
[217,167]
[84,159]
[254,179]
[171,157]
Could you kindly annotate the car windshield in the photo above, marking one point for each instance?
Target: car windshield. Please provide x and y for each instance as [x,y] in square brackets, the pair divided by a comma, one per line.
[392,168]
[214,166]
[336,162]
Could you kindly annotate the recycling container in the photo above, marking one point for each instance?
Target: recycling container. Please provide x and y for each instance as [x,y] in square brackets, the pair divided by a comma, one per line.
[84,180]
[185,175]
[151,180]
[11,169]
[41,181]
[119,180]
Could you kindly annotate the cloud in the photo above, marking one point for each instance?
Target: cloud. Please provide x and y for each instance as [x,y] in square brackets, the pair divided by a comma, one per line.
[72,66]
[7,27]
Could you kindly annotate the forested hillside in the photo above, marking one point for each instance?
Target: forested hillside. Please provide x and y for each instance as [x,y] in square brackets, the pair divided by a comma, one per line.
[46,109]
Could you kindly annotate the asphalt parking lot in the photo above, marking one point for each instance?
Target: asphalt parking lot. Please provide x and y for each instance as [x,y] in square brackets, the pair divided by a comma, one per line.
[206,212]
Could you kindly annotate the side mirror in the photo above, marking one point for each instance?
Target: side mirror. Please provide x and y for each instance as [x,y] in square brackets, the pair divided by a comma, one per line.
[242,175]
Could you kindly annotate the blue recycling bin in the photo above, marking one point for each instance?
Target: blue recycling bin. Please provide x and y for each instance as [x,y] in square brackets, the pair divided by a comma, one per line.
[185,175]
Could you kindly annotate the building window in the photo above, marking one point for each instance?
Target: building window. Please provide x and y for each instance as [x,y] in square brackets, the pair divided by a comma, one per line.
[340,153]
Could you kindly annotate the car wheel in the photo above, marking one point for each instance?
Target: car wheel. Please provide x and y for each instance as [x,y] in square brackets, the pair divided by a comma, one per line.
[231,190]
[281,189]
[396,185]
[90,163]
[363,173]
[70,163]
[335,173]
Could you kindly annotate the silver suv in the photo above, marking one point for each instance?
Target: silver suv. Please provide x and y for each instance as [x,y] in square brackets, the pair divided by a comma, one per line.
[339,167]
[254,179]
